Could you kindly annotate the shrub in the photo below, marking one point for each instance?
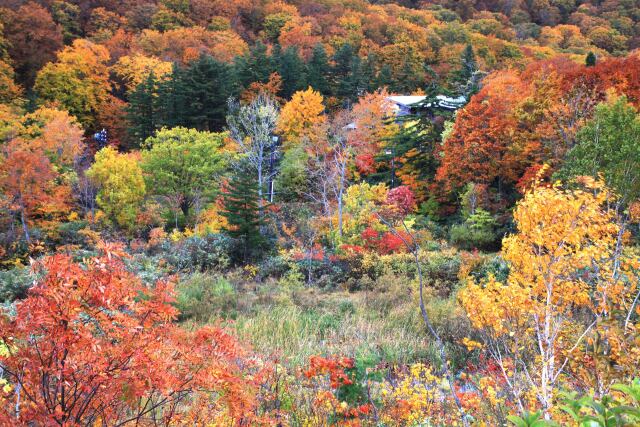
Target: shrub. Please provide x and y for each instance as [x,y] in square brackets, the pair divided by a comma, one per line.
[201,296]
[14,284]
[195,253]
[478,231]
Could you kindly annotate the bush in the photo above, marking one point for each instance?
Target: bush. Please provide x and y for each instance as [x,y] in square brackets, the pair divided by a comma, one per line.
[14,284]
[195,253]
[477,232]
[274,266]
[201,297]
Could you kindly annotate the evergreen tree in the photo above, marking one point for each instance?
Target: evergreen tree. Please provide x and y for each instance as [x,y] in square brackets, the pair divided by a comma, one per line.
[255,66]
[318,69]
[465,79]
[384,77]
[202,92]
[591,59]
[142,113]
[292,70]
[241,209]
[346,73]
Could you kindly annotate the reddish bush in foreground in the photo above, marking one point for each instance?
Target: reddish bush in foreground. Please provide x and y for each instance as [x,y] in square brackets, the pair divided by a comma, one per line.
[92,344]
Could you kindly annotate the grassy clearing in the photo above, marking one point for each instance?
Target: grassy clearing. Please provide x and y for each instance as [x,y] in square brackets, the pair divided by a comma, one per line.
[294,324]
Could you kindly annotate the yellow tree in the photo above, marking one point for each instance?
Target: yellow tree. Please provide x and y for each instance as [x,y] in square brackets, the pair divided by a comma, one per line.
[132,70]
[567,276]
[78,80]
[121,186]
[300,117]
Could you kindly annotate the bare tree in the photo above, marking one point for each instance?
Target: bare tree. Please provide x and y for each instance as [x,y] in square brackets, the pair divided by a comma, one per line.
[252,127]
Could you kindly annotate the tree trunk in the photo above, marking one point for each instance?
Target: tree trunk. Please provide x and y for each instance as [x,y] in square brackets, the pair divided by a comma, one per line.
[25,226]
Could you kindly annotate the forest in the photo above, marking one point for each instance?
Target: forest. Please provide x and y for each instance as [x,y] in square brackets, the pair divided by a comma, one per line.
[320,213]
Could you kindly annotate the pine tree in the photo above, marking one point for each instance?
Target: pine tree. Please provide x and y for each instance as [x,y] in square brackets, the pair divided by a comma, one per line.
[242,211]
[465,79]
[318,69]
[292,70]
[591,59]
[142,112]
[346,73]
[203,90]
[255,66]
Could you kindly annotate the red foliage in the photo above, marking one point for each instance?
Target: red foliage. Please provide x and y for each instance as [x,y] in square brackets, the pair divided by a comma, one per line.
[402,200]
[384,243]
[334,367]
[92,342]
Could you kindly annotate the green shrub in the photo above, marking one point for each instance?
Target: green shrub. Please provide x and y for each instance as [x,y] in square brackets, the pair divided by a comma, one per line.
[210,252]
[14,284]
[201,297]
[477,232]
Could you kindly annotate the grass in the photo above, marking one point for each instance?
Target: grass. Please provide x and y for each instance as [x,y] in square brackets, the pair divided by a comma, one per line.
[294,323]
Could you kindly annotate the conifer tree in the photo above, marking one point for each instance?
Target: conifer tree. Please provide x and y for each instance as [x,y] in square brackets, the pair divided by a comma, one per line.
[292,70]
[142,111]
[202,91]
[591,59]
[318,69]
[255,66]
[242,211]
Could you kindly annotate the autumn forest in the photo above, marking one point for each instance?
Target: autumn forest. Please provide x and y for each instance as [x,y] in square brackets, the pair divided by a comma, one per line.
[320,213]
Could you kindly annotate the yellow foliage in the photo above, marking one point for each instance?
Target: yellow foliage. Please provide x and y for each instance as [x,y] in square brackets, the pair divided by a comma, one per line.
[301,116]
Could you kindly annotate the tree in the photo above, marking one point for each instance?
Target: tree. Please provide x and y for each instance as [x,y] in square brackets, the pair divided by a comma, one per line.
[143,111]
[243,212]
[591,59]
[254,66]
[10,91]
[300,117]
[133,70]
[478,148]
[345,73]
[67,15]
[120,184]
[568,282]
[27,179]
[201,91]
[92,342]
[318,70]
[56,134]
[182,165]
[370,128]
[291,68]
[252,127]
[33,39]
[78,80]
[609,144]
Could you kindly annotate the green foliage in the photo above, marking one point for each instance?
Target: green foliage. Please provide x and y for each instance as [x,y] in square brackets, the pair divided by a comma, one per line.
[292,70]
[478,231]
[14,284]
[609,144]
[530,420]
[182,165]
[607,411]
[195,253]
[591,59]
[318,70]
[193,96]
[201,297]
[244,214]
[292,181]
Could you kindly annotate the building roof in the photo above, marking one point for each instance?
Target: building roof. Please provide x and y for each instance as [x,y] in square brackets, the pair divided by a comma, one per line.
[441,101]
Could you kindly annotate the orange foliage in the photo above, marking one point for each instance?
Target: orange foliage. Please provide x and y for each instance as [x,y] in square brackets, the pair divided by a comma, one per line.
[91,343]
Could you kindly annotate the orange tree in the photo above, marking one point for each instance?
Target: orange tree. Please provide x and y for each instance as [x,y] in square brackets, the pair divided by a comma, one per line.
[92,344]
